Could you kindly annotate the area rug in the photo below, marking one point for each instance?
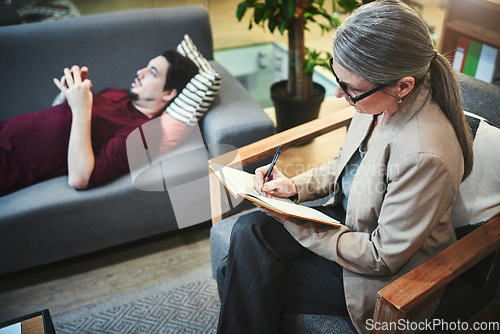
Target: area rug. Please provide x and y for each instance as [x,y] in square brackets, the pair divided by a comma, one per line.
[188,304]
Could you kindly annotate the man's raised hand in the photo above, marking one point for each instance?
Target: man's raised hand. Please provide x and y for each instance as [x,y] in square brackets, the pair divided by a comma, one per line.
[84,73]
[76,86]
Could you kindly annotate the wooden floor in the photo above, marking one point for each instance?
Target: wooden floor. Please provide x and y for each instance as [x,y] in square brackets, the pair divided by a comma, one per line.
[89,279]
[73,284]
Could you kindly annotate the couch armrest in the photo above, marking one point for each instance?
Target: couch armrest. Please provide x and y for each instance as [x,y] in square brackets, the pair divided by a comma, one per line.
[412,289]
[266,147]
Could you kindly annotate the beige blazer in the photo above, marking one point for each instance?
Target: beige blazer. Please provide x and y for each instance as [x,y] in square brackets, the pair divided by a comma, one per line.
[398,211]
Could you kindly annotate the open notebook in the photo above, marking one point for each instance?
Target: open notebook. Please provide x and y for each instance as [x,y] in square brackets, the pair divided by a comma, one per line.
[240,183]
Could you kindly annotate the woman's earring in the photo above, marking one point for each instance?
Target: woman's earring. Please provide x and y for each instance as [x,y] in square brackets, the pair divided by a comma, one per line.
[400,100]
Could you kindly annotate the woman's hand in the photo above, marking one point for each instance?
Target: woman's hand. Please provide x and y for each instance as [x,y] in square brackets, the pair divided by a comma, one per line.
[277,184]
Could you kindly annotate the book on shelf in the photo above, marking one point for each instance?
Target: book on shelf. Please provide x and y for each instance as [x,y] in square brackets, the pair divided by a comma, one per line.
[476,59]
[460,53]
[472,58]
[486,64]
[240,183]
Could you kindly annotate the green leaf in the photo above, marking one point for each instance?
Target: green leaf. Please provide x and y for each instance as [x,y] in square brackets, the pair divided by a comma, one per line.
[241,10]
[324,27]
[257,14]
[267,14]
[348,5]
[289,7]
[271,25]
[314,58]
[270,3]
[336,21]
[283,27]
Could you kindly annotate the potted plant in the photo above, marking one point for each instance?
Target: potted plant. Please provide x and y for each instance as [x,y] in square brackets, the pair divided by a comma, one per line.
[297,99]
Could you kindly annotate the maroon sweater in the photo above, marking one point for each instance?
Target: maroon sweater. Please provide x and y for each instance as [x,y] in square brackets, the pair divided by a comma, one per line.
[34,147]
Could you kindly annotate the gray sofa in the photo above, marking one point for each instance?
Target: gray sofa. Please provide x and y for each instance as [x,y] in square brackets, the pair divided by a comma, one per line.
[475,288]
[49,221]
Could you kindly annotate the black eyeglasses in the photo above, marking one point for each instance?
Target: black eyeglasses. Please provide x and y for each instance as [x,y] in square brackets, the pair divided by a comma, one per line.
[343,85]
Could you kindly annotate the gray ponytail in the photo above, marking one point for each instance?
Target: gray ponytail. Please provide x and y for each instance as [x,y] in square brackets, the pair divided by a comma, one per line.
[384,41]
[445,90]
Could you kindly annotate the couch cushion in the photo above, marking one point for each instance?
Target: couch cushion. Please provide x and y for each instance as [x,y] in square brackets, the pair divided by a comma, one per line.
[478,198]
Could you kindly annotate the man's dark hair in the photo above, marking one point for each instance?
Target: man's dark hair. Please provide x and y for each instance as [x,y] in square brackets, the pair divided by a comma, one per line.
[180,70]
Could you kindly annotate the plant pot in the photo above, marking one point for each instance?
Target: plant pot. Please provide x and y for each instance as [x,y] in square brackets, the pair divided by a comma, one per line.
[292,113]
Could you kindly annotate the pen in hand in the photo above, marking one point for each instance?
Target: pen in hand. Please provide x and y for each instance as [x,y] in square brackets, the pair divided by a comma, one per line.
[276,155]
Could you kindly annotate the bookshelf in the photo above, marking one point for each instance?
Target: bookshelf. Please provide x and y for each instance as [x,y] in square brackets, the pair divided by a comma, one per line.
[471,38]
[477,19]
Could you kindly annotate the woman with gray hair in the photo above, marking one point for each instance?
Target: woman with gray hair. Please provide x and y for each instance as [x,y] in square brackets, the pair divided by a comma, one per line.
[393,184]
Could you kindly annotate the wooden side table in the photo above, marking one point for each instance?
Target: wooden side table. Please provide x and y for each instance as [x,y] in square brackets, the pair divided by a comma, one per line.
[36,323]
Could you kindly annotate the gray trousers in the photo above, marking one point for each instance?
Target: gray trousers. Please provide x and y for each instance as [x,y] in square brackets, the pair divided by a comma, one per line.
[267,273]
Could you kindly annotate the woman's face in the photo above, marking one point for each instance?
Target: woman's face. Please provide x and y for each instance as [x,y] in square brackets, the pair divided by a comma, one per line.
[374,104]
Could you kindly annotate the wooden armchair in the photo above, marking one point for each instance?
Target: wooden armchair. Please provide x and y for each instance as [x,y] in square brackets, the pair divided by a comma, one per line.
[396,300]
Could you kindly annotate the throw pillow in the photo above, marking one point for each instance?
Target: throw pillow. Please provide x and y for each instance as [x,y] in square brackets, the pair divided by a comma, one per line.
[195,99]
[193,102]
[478,198]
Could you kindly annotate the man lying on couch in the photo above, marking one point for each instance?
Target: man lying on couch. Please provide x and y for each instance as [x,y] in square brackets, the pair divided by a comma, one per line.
[85,136]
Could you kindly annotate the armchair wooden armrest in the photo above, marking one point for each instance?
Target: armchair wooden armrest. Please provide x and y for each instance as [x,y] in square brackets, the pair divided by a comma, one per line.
[266,147]
[412,289]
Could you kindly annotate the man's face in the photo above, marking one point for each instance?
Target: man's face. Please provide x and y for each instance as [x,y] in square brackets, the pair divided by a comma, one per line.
[150,81]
